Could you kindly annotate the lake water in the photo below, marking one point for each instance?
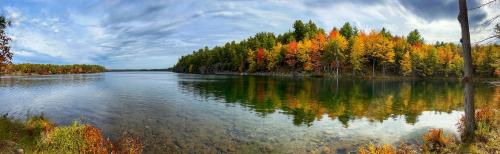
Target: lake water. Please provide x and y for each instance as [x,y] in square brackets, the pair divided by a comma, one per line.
[207,113]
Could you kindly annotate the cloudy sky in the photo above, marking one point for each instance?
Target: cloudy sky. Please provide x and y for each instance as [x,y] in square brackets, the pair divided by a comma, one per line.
[155,33]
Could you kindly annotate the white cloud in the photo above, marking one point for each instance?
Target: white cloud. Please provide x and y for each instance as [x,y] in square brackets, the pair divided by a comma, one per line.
[133,31]
[14,15]
[23,53]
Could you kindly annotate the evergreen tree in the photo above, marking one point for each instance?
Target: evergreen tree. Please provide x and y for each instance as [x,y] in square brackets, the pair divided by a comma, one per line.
[414,38]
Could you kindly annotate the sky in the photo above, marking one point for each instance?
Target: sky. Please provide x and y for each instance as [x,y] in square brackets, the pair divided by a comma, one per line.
[127,34]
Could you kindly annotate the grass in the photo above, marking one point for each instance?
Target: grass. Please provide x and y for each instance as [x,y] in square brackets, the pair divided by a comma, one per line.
[39,135]
[15,134]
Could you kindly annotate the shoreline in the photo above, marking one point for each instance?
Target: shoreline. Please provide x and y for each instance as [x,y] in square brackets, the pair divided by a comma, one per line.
[490,80]
[37,74]
[486,80]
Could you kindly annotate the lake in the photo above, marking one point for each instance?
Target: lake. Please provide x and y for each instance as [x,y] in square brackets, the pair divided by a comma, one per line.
[244,114]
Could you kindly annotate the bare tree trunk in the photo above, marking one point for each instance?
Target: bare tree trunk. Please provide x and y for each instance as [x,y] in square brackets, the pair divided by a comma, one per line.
[467,79]
[373,68]
[337,66]
[353,72]
[383,69]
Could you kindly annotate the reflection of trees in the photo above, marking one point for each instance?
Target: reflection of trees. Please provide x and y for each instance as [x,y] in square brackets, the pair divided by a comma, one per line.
[307,100]
[28,81]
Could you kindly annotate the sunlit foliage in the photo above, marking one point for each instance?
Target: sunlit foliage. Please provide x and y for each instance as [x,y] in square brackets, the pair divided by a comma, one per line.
[406,65]
[358,53]
[309,49]
[336,49]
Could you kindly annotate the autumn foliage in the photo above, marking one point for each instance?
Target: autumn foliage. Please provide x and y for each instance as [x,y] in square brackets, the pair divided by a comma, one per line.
[436,140]
[341,51]
[485,123]
[260,55]
[39,135]
[291,54]
[47,69]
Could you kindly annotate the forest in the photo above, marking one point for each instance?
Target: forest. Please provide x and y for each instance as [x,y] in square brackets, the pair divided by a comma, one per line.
[47,69]
[345,51]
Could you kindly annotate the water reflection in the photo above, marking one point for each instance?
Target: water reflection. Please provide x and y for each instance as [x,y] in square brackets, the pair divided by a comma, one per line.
[307,100]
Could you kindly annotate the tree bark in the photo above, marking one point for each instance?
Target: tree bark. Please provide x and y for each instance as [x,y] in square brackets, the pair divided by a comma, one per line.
[467,79]
[373,68]
[383,69]
[337,66]
[353,72]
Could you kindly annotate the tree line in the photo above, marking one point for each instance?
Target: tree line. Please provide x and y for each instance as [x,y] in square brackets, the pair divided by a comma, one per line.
[344,51]
[47,69]
[6,66]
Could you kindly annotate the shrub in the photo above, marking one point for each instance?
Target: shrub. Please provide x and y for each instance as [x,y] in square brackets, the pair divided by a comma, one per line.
[95,141]
[485,123]
[436,140]
[68,139]
[39,135]
[39,124]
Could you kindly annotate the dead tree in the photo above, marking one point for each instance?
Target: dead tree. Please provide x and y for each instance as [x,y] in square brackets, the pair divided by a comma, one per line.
[470,124]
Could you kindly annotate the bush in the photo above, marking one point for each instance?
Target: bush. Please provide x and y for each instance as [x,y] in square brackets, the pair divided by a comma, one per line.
[39,135]
[95,141]
[485,123]
[68,139]
[39,124]
[436,140]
